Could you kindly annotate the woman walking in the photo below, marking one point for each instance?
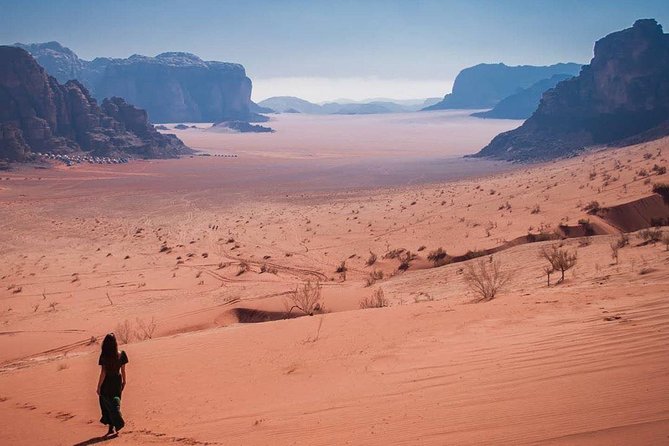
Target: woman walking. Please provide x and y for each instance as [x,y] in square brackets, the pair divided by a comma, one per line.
[111,383]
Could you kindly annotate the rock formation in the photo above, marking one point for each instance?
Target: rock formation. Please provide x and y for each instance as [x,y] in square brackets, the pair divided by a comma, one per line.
[522,104]
[171,87]
[39,114]
[622,96]
[484,85]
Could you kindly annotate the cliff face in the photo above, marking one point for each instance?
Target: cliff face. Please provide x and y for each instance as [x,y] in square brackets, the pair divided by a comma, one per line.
[521,105]
[484,85]
[622,94]
[172,87]
[39,114]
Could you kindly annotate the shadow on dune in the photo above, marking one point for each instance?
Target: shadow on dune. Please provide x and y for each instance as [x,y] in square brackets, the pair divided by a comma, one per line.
[96,440]
[251,316]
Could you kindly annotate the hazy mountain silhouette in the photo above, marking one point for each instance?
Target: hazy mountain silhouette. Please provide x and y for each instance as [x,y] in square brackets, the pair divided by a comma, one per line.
[622,96]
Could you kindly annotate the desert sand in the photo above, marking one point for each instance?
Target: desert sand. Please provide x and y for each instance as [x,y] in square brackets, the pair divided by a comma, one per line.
[183,244]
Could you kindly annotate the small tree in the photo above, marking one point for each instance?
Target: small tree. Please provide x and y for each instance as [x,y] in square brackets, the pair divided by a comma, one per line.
[559,259]
[124,331]
[548,270]
[486,278]
[306,298]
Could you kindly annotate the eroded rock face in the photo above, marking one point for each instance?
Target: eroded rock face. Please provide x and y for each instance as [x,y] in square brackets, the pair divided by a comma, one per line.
[171,87]
[39,114]
[623,95]
[485,85]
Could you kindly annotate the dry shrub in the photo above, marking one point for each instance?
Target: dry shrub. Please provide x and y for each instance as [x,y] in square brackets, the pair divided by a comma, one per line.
[486,278]
[145,330]
[243,267]
[663,190]
[405,259]
[123,331]
[651,235]
[665,240]
[592,208]
[265,268]
[371,259]
[559,259]
[376,300]
[341,268]
[438,257]
[306,298]
[375,275]
[614,251]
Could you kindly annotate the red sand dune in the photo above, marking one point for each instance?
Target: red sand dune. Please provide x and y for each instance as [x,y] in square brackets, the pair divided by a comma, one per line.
[207,247]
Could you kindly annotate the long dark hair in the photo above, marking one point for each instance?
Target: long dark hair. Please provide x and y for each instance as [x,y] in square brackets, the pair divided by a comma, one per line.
[110,348]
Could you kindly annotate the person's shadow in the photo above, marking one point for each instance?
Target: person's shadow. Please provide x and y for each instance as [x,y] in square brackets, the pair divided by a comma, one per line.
[96,440]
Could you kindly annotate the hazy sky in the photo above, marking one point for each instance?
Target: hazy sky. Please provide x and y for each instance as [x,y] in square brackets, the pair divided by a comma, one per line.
[322,50]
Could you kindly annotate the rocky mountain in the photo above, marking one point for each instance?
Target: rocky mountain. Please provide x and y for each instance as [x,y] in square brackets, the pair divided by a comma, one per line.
[37,113]
[484,85]
[521,105]
[172,87]
[291,104]
[621,96]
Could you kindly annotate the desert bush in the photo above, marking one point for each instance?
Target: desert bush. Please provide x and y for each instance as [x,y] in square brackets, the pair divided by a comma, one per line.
[342,267]
[376,300]
[592,208]
[614,251]
[371,259]
[123,331]
[663,190]
[306,298]
[559,259]
[438,257]
[265,268]
[145,330]
[536,209]
[660,170]
[650,235]
[405,259]
[623,241]
[486,278]
[375,275]
[242,268]
[394,254]
[665,240]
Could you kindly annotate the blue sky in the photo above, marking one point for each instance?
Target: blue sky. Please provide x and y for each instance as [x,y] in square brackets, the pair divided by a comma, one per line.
[330,49]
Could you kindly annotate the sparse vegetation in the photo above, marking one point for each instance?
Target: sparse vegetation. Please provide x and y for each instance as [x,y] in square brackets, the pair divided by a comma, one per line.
[375,275]
[376,300]
[650,235]
[438,257]
[592,208]
[124,331]
[145,330]
[265,268]
[486,278]
[371,259]
[242,268]
[306,298]
[560,259]
[614,251]
[663,190]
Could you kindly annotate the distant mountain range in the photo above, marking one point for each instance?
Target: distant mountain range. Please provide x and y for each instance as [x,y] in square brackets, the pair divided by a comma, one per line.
[291,104]
[485,85]
[521,105]
[621,97]
[172,87]
[38,114]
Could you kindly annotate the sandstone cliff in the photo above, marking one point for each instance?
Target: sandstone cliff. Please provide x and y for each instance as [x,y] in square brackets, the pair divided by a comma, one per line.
[484,85]
[622,95]
[171,87]
[37,113]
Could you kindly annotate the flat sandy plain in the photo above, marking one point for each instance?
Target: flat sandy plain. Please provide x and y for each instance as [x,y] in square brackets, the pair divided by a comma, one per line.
[86,248]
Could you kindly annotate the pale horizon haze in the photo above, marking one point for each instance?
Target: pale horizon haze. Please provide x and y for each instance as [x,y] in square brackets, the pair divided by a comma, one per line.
[321,51]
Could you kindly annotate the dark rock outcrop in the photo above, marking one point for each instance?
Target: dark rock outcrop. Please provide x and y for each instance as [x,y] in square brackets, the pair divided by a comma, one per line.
[522,104]
[622,96]
[484,85]
[39,114]
[171,87]
[242,127]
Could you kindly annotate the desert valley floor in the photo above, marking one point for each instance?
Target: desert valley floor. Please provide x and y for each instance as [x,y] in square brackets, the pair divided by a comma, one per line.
[204,246]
